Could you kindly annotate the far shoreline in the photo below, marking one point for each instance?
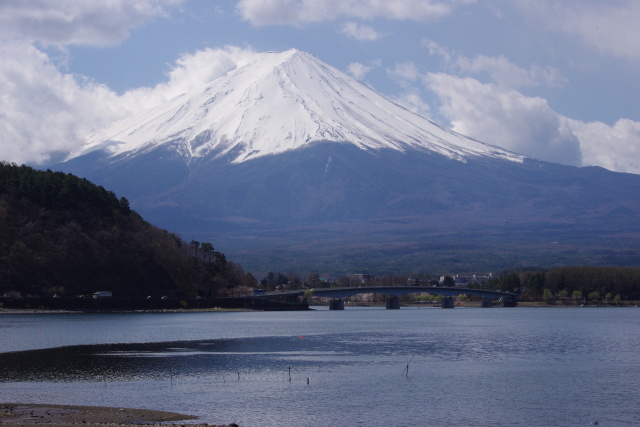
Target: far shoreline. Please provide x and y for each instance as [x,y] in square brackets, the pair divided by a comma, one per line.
[458,304]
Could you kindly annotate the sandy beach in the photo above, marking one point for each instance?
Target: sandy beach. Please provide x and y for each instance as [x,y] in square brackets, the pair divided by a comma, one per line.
[29,414]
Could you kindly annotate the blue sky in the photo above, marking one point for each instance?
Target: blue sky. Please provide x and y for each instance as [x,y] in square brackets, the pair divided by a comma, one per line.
[553,79]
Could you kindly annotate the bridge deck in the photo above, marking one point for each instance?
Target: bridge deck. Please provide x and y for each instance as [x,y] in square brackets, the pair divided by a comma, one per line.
[396,290]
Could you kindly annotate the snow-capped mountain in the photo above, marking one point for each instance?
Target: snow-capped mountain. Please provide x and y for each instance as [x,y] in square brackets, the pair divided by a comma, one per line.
[281,102]
[289,164]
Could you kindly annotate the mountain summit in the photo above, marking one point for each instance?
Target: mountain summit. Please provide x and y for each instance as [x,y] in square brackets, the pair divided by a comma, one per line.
[288,164]
[277,103]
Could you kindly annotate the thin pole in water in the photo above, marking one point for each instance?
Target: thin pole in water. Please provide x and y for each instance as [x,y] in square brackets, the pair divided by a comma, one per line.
[289,373]
[406,368]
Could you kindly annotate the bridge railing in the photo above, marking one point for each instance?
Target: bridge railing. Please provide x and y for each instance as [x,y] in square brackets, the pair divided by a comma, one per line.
[394,291]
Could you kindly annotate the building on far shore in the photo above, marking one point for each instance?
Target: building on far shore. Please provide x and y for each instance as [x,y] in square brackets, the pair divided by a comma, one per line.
[361,279]
[466,281]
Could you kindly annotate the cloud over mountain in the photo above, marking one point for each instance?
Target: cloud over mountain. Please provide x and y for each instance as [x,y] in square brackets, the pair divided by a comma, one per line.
[506,117]
[72,107]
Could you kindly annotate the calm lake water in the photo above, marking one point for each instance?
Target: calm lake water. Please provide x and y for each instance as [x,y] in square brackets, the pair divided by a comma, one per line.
[466,366]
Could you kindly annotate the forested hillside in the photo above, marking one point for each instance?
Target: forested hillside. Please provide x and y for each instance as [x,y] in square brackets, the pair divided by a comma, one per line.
[62,235]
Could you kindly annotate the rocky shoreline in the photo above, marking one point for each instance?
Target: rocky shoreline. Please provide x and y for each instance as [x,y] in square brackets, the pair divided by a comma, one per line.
[29,414]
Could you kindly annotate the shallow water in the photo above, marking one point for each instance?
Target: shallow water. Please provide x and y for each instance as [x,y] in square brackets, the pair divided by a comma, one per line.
[466,366]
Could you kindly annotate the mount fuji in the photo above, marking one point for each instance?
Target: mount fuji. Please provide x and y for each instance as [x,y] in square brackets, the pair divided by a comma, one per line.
[289,164]
[280,102]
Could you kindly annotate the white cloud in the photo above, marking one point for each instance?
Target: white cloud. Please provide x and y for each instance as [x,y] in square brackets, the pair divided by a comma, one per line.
[358,70]
[499,69]
[493,111]
[609,27]
[412,101]
[614,147]
[43,110]
[505,73]
[527,125]
[360,32]
[437,50]
[496,113]
[503,117]
[64,22]
[405,70]
[189,71]
[406,74]
[295,12]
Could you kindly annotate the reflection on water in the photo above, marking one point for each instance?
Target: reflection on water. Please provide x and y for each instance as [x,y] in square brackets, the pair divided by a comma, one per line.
[127,362]
[156,360]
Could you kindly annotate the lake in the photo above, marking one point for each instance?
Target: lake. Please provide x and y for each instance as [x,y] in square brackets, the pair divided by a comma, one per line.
[361,366]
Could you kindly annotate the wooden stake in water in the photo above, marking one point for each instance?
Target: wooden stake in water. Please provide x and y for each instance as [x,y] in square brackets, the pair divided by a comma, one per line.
[289,373]
[405,371]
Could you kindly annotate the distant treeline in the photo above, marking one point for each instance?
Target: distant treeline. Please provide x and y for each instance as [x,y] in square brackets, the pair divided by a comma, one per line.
[571,282]
[62,235]
[533,284]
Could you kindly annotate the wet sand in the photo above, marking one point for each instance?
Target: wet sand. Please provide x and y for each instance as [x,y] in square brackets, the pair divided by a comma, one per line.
[28,414]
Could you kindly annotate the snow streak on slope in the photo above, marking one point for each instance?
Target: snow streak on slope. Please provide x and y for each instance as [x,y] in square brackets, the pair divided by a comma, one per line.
[280,102]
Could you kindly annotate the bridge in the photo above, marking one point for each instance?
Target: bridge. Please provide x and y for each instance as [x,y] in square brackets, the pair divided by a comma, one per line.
[393,292]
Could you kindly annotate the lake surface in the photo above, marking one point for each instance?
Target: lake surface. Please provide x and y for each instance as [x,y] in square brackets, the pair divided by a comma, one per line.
[466,366]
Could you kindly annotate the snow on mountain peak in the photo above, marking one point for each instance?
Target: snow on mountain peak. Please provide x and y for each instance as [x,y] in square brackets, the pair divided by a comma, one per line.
[279,102]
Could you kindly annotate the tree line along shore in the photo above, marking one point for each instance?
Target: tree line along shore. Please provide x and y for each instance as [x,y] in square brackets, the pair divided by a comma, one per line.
[563,285]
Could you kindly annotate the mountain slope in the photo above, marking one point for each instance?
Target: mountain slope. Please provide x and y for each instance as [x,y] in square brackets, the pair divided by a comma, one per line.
[280,102]
[291,165]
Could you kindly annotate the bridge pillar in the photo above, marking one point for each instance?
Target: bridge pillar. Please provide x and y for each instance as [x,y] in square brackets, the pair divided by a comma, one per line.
[393,303]
[510,301]
[447,302]
[336,304]
[487,303]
